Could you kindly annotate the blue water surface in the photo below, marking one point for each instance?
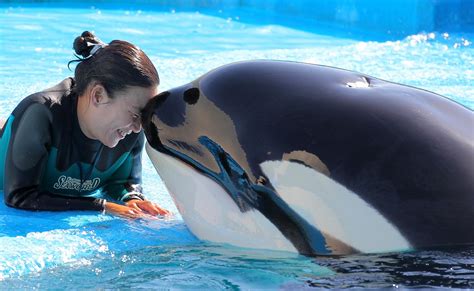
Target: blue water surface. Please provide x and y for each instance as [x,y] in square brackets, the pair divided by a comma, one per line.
[90,250]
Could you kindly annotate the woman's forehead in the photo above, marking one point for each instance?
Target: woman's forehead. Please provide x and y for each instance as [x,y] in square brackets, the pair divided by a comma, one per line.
[137,96]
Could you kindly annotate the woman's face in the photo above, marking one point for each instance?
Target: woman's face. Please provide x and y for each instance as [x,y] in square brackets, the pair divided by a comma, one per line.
[119,116]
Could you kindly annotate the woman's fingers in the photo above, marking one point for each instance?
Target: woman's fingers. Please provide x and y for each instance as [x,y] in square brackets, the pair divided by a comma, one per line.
[136,209]
[123,211]
[149,207]
[157,210]
[162,211]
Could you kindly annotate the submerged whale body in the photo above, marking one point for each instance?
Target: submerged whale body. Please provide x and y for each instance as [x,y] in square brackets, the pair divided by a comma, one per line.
[313,159]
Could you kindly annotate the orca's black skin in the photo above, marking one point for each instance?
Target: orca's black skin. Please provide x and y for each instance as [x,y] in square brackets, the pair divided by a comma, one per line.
[407,152]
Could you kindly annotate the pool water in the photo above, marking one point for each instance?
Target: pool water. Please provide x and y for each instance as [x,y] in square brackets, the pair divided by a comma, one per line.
[89,250]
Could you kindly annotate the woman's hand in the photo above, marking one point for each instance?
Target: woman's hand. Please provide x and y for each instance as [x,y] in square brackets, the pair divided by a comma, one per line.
[147,207]
[123,210]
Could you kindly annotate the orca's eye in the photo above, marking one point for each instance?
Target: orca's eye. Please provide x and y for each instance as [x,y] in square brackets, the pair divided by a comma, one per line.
[191,96]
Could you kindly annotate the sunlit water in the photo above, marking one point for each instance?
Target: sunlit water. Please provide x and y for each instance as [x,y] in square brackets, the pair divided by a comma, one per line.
[89,250]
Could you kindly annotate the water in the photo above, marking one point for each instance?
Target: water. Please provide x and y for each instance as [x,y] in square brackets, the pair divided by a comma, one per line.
[88,250]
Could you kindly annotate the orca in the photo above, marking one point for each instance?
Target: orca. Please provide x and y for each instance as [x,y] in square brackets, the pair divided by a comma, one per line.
[315,160]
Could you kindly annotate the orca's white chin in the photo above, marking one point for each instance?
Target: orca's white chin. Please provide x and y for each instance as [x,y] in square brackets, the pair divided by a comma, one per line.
[209,211]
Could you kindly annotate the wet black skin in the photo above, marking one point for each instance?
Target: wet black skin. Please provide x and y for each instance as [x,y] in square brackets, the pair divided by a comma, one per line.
[407,152]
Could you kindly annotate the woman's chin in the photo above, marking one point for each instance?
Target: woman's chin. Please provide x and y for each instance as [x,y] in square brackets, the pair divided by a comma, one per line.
[113,139]
[111,143]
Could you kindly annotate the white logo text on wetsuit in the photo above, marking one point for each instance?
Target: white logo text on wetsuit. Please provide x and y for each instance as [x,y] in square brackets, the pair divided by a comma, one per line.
[69,183]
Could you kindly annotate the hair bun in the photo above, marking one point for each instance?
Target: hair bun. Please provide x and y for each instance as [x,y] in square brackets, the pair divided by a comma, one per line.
[82,43]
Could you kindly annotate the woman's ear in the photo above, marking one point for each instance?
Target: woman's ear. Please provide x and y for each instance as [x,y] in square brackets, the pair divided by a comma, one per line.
[99,95]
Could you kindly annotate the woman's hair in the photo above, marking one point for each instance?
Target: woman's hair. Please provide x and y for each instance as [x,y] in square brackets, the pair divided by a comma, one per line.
[115,66]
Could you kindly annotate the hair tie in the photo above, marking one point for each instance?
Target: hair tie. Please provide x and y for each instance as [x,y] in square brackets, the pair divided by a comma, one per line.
[95,48]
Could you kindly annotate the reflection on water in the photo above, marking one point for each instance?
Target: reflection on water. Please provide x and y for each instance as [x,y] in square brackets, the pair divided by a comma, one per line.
[435,268]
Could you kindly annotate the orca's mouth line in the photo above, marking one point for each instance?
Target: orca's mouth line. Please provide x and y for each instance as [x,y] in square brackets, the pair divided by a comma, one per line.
[227,175]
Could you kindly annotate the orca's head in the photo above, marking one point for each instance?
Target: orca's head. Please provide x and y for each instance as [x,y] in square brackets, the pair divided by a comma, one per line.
[239,158]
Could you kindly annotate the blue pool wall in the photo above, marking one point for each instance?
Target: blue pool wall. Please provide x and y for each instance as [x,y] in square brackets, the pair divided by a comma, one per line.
[397,18]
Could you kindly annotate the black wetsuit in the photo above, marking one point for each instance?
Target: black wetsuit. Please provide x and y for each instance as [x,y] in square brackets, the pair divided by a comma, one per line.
[47,163]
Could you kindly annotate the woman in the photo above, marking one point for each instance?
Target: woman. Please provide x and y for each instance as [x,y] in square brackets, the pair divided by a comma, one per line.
[61,145]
